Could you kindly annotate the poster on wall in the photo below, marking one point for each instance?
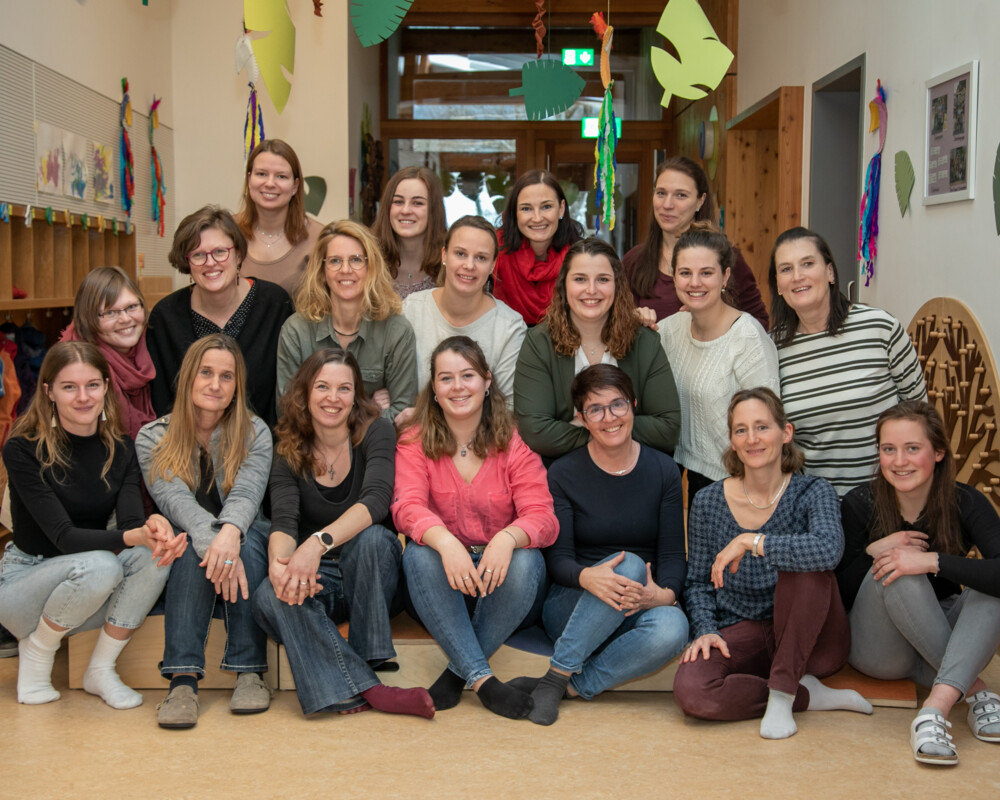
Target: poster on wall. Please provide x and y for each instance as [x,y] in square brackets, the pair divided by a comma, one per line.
[48,158]
[75,173]
[103,176]
[950,170]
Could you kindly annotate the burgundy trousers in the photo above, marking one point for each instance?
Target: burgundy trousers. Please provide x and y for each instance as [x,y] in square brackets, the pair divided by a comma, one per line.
[808,635]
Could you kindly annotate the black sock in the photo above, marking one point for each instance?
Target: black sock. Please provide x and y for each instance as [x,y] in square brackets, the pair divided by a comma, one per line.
[384,665]
[525,684]
[546,696]
[447,690]
[184,680]
[504,700]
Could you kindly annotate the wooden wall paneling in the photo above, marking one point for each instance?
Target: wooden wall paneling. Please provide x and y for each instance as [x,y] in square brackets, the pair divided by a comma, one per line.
[790,112]
[519,12]
[44,256]
[23,246]
[6,256]
[112,257]
[62,260]
[126,255]
[81,254]
[95,244]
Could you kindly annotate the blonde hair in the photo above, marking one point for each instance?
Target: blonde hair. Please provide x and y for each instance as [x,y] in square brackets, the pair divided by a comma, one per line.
[175,456]
[313,300]
[40,423]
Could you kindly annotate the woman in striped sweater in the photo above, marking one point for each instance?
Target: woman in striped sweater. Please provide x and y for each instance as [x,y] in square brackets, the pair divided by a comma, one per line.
[841,364]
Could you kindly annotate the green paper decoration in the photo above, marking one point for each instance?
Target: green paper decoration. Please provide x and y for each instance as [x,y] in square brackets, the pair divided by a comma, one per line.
[905,179]
[996,191]
[315,194]
[549,87]
[703,58]
[376,20]
[275,52]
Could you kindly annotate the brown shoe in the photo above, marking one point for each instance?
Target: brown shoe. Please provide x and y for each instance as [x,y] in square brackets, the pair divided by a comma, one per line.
[251,695]
[179,709]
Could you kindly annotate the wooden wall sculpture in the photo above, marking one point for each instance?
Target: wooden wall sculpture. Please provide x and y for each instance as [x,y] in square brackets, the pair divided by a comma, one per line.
[961,378]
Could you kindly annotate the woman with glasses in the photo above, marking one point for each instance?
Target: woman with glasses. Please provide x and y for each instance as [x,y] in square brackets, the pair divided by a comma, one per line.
[346,301]
[591,320]
[273,218]
[110,313]
[617,568]
[714,350]
[210,248]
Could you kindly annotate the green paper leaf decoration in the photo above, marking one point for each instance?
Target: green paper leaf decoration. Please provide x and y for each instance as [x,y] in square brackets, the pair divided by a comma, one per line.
[376,20]
[703,58]
[548,87]
[904,180]
[315,194]
[996,191]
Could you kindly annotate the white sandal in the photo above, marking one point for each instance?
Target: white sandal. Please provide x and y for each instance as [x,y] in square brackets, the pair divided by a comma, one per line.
[934,731]
[988,714]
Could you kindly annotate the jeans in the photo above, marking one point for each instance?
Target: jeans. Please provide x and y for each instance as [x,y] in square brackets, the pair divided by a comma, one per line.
[79,591]
[808,635]
[602,647]
[469,642]
[903,631]
[190,603]
[329,672]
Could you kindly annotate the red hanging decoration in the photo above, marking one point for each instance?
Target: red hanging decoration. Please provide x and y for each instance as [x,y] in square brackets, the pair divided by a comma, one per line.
[539,27]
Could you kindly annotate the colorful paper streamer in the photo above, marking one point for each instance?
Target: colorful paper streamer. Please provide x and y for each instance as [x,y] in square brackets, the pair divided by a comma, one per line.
[156,170]
[868,229]
[253,125]
[607,134]
[125,160]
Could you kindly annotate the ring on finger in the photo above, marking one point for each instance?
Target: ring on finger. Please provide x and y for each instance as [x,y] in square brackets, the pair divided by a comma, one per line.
[228,561]
[465,578]
[489,570]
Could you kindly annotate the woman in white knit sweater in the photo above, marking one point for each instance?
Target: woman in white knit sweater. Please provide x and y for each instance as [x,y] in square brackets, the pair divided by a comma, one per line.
[714,350]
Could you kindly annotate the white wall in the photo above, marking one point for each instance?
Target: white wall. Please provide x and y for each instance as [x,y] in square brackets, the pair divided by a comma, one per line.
[944,250]
[365,88]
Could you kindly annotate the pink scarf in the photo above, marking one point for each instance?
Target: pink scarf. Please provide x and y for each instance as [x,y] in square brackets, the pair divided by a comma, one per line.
[524,283]
[130,376]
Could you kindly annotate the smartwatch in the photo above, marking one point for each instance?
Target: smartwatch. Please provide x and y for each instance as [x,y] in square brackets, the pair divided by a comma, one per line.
[325,539]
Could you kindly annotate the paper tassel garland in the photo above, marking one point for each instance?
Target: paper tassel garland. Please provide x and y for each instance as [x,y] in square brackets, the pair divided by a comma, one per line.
[253,126]
[607,136]
[868,230]
[125,161]
[156,168]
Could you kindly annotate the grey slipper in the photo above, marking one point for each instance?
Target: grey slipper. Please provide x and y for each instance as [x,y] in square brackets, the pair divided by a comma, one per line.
[179,709]
[251,695]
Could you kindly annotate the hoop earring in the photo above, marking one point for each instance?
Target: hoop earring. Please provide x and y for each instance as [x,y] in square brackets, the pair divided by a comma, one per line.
[487,392]
[435,398]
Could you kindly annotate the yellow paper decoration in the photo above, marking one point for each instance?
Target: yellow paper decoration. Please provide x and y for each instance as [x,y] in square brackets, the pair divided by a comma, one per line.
[277,49]
[703,58]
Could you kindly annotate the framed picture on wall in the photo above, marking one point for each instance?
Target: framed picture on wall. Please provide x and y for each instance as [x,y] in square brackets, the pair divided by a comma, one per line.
[950,135]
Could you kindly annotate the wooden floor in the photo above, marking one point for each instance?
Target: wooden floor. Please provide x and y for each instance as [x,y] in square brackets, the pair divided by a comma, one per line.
[622,745]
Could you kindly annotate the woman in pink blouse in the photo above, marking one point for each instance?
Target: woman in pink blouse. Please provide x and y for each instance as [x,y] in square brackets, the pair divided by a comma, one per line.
[475,501]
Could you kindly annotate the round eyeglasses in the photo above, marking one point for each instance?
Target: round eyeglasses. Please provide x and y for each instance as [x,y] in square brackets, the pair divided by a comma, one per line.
[220,255]
[113,314]
[354,262]
[618,408]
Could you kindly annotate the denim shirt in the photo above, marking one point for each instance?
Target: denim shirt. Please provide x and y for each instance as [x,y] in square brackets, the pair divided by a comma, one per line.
[240,507]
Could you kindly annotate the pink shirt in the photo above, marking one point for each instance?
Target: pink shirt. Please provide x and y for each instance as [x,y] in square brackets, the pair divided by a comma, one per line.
[511,488]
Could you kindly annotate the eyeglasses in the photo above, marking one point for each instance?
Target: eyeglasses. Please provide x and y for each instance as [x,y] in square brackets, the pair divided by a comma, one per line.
[354,262]
[618,408]
[113,314]
[220,255]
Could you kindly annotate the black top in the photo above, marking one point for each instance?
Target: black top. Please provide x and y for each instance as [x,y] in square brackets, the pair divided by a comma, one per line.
[56,512]
[298,505]
[171,331]
[601,515]
[980,527]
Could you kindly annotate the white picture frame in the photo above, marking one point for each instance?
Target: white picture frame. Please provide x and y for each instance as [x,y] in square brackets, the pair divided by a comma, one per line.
[950,135]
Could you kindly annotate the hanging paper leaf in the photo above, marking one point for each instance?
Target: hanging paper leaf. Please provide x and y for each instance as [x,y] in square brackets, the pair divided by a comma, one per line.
[549,87]
[315,194]
[996,191]
[126,163]
[376,20]
[276,49]
[904,180]
[868,230]
[703,58]
[604,163]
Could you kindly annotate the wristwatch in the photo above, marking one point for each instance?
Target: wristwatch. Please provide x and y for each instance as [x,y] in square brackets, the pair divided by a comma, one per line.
[325,539]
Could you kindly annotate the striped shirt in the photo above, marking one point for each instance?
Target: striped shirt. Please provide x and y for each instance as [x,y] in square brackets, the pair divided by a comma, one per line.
[835,387]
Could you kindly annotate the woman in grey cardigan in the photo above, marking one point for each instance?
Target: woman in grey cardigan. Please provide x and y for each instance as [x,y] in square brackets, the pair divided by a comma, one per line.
[206,466]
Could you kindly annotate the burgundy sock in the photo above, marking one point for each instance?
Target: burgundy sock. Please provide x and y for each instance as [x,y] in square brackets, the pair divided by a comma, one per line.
[394,700]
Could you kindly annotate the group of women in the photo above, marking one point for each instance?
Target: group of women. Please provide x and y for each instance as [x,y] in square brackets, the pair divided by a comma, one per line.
[523,441]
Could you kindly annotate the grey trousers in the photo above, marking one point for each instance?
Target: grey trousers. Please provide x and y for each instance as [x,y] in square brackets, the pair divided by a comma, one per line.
[903,631]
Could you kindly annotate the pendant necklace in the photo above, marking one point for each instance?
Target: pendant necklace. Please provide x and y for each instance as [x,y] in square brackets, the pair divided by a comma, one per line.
[774,499]
[270,238]
[465,448]
[329,464]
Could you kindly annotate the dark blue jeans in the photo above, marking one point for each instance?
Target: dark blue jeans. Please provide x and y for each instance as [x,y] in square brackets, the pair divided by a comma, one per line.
[189,605]
[470,642]
[329,672]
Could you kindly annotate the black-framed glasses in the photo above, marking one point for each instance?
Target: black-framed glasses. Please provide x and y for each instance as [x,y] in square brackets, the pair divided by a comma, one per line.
[113,314]
[220,255]
[355,262]
[618,408]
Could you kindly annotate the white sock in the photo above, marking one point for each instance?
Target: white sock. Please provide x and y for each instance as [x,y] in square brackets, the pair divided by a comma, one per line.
[35,656]
[930,748]
[823,698]
[778,721]
[102,679]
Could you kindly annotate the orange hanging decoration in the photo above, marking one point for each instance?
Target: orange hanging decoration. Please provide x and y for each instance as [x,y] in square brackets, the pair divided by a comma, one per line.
[539,27]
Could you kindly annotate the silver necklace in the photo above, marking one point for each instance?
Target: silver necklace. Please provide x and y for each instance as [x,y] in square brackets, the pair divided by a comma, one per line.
[465,448]
[270,238]
[329,464]
[632,463]
[774,499]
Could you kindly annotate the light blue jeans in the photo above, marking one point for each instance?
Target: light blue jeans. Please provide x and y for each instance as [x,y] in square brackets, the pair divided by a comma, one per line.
[903,631]
[602,647]
[470,642]
[79,591]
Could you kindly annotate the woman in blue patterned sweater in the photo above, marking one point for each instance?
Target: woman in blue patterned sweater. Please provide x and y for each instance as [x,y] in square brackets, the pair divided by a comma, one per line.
[766,627]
